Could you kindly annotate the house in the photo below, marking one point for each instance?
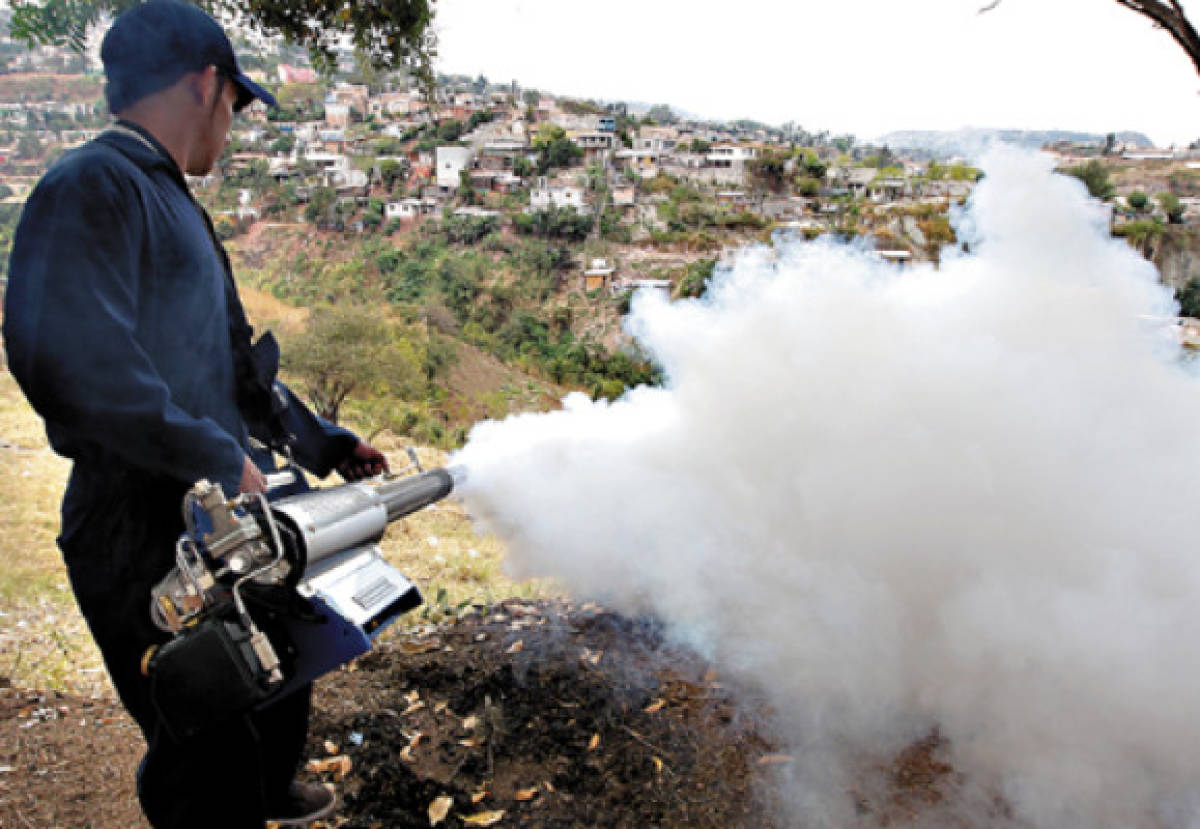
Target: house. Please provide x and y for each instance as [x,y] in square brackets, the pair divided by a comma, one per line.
[500,153]
[410,209]
[451,161]
[734,199]
[296,74]
[641,161]
[659,139]
[624,194]
[575,123]
[544,195]
[889,189]
[598,275]
[645,283]
[850,180]
[783,209]
[477,212]
[357,96]
[337,115]
[898,257]
[726,163]
[393,104]
[596,145]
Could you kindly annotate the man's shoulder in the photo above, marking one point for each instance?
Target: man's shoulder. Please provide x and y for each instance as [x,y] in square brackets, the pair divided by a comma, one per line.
[91,162]
[96,171]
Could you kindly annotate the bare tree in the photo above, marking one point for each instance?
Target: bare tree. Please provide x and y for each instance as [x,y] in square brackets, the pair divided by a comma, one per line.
[1170,16]
[1166,14]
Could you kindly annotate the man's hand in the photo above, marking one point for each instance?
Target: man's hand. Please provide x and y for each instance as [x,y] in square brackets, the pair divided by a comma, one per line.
[253,481]
[363,462]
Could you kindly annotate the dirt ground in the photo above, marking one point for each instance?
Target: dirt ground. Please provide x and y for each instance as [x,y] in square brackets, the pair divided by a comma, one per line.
[537,714]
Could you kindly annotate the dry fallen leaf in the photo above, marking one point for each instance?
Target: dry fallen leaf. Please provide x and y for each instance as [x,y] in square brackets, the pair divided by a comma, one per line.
[339,766]
[658,764]
[654,706]
[479,795]
[770,759]
[416,706]
[412,696]
[412,648]
[439,808]
[440,707]
[406,754]
[484,818]
[469,743]
[549,786]
[470,722]
[527,794]
[516,647]
[594,742]
[330,747]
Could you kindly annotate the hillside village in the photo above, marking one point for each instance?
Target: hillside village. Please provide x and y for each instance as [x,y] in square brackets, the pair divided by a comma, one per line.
[382,156]
[519,222]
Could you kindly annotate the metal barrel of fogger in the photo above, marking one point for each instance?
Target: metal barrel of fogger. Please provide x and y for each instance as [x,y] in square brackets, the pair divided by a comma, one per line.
[329,521]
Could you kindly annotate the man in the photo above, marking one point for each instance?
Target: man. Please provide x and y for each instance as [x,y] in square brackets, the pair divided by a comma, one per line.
[123,328]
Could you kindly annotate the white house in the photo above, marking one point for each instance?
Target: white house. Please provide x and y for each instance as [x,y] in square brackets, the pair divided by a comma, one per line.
[406,210]
[544,195]
[451,161]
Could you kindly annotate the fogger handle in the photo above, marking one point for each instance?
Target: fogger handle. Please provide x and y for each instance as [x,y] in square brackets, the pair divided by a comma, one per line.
[407,495]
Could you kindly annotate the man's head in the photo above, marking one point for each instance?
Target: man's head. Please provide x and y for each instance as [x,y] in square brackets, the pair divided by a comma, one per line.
[154,44]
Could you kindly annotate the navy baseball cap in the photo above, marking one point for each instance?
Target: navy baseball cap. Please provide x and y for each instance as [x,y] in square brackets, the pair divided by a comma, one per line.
[155,43]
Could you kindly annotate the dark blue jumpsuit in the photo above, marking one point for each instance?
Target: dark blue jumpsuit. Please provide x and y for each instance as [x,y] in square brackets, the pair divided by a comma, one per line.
[120,327]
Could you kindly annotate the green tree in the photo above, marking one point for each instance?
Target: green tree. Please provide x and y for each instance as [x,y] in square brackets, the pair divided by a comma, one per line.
[450,130]
[351,350]
[814,166]
[283,144]
[1171,206]
[768,171]
[1095,177]
[28,146]
[1138,201]
[391,35]
[1189,298]
[320,205]
[391,172]
[662,114]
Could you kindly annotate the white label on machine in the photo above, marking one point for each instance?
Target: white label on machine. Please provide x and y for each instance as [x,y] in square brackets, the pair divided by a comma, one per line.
[359,584]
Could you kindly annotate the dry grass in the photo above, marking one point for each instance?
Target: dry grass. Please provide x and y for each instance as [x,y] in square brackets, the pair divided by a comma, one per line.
[44,642]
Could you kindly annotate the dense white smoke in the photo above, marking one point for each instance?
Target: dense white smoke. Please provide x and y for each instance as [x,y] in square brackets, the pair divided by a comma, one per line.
[900,499]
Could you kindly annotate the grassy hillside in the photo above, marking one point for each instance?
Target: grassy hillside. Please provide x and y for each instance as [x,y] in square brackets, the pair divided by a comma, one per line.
[499,324]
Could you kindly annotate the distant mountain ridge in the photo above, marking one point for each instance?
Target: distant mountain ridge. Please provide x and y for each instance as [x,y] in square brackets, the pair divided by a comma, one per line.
[970,140]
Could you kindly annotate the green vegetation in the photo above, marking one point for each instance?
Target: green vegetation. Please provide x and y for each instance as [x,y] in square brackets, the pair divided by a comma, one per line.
[1171,206]
[1189,298]
[9,215]
[554,222]
[696,278]
[1095,176]
[554,149]
[1142,234]
[388,35]
[351,349]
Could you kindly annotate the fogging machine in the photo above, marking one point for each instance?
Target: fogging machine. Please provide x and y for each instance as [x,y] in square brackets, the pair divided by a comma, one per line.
[266,596]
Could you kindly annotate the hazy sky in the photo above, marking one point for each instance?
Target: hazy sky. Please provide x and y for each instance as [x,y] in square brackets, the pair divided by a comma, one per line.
[860,66]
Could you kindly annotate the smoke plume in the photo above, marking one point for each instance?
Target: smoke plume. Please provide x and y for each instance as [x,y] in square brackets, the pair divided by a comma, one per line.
[961,498]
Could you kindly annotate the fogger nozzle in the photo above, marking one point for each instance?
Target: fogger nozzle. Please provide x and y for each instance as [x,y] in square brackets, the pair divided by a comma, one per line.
[407,495]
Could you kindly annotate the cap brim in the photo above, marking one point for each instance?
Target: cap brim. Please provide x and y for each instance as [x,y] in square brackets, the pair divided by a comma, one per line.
[248,90]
